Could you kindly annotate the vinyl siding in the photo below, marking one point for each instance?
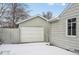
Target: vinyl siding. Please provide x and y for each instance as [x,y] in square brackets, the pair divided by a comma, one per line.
[58,30]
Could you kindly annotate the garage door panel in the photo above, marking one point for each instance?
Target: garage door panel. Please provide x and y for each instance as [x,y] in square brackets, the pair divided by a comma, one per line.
[32,34]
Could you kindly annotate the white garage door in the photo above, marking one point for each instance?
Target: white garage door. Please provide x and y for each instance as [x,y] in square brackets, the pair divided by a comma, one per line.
[32,34]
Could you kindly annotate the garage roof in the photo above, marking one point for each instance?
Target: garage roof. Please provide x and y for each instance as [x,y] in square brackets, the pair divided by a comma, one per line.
[51,20]
[32,18]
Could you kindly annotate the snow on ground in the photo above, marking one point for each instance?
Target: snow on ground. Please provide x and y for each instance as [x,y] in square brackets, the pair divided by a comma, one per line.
[32,49]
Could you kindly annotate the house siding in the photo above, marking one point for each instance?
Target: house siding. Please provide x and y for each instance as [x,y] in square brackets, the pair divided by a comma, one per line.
[37,22]
[58,30]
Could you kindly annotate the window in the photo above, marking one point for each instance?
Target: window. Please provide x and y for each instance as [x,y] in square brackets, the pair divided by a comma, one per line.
[71,30]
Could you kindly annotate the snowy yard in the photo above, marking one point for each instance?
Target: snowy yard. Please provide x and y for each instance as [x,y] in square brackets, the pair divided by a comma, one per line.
[32,49]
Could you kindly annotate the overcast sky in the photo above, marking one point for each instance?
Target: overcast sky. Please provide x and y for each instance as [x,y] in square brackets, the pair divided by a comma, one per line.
[38,8]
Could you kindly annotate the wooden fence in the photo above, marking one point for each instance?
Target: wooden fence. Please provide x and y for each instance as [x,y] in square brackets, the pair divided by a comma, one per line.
[10,35]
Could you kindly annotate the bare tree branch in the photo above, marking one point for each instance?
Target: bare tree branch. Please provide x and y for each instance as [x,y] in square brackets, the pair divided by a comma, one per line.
[3,8]
[14,12]
[47,15]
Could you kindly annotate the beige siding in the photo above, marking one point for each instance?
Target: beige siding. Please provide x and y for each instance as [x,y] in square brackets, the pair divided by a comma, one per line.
[58,30]
[9,35]
[37,22]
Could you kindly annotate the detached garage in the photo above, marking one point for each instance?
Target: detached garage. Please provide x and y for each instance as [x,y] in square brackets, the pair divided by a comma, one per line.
[34,29]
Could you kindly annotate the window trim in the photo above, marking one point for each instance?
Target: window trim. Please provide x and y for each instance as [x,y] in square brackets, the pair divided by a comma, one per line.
[67,29]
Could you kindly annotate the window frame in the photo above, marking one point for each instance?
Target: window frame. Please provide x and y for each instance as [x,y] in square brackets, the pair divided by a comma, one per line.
[71,29]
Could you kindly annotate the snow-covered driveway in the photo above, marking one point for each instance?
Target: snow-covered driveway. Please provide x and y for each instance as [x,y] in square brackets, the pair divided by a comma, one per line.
[32,49]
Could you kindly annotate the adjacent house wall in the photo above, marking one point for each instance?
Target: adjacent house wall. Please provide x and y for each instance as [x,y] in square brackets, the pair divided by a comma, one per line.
[58,35]
[37,22]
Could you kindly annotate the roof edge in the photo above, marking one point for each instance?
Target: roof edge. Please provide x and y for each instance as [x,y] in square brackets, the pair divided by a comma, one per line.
[31,18]
[67,7]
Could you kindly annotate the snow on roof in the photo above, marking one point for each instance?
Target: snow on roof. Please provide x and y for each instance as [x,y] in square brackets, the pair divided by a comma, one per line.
[54,19]
[50,20]
[31,18]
